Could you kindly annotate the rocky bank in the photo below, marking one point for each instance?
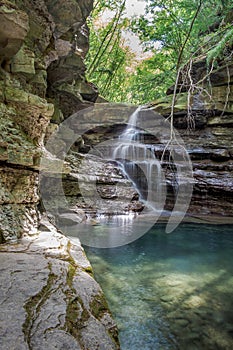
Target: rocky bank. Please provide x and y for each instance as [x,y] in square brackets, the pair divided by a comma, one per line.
[49,298]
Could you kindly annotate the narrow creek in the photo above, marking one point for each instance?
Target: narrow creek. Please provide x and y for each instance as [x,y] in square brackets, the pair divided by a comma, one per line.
[170,291]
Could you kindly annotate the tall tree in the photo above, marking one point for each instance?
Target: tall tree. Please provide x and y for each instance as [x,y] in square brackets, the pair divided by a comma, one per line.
[109,56]
[177,30]
[172,30]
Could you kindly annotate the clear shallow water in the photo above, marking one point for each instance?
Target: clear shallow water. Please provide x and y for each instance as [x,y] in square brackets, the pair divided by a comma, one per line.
[171,291]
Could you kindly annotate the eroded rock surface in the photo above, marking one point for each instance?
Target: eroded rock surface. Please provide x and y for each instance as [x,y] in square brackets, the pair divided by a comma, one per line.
[205,123]
[14,28]
[42,47]
[49,299]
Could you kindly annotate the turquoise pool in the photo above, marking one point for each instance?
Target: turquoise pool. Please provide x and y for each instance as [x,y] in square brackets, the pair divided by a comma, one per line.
[171,291]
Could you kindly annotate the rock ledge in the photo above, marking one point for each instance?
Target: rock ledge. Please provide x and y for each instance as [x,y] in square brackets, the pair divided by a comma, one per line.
[49,299]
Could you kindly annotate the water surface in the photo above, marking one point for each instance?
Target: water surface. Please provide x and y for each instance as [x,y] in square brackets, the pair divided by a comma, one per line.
[171,291]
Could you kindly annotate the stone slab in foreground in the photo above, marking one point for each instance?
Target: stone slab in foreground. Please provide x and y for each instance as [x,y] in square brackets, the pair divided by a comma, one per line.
[49,299]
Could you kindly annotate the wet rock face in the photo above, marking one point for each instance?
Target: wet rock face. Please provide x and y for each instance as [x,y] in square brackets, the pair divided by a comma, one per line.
[208,135]
[212,170]
[47,288]
[67,84]
[91,187]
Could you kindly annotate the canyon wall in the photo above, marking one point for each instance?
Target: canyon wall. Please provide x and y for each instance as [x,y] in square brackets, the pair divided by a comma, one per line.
[42,47]
[49,298]
[42,78]
[203,116]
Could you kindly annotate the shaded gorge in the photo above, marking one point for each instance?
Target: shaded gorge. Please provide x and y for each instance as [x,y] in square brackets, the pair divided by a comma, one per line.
[171,291]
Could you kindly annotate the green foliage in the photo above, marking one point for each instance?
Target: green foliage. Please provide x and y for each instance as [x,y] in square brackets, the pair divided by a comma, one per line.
[172,31]
[217,52]
[109,56]
[101,5]
[176,31]
[151,79]
[169,23]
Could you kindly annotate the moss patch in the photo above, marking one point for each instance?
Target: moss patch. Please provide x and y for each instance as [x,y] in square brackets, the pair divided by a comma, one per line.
[34,305]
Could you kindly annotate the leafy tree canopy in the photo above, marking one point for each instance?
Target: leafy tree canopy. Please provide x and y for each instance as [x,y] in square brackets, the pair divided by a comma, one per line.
[171,30]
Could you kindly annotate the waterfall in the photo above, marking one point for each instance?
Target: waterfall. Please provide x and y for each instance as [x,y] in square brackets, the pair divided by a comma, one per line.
[139,162]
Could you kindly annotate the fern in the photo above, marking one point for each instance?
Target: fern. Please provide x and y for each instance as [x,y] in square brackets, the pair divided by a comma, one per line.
[217,51]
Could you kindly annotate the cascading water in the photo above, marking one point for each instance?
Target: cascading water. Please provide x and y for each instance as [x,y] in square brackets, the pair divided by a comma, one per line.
[139,162]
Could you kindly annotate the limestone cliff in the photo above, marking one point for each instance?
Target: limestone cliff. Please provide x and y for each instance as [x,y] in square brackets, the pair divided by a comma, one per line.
[57,303]
[204,118]
[42,45]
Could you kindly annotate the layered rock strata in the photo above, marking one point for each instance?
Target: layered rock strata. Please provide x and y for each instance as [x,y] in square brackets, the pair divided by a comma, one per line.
[204,119]
[42,46]
[46,280]
[92,184]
